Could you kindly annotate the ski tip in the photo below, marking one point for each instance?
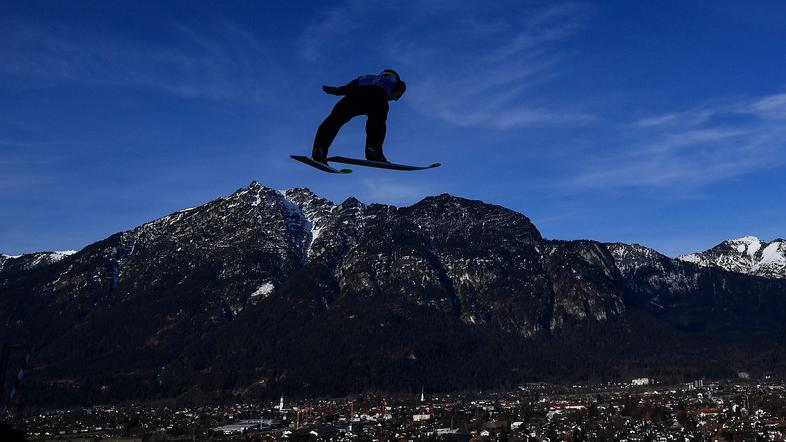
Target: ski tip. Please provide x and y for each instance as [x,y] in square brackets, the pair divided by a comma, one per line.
[323,166]
[435,165]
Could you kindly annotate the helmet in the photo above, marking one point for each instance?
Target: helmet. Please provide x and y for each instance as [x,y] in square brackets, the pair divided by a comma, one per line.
[400,87]
[399,90]
[392,73]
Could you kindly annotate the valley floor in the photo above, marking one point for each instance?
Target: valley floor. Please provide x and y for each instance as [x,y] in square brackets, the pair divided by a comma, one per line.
[725,410]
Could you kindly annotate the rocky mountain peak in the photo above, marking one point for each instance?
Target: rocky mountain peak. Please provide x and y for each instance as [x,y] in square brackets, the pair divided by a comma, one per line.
[448,216]
[629,257]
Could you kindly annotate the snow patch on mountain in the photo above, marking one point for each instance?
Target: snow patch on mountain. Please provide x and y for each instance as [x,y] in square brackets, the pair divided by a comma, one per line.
[775,252]
[52,257]
[263,291]
[692,257]
[294,216]
[44,258]
[29,261]
[60,254]
[748,245]
[314,210]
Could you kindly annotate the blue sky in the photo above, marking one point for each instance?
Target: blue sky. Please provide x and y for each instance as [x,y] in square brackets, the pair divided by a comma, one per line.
[660,123]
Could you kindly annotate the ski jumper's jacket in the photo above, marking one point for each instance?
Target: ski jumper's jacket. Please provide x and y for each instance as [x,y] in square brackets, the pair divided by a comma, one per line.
[383,82]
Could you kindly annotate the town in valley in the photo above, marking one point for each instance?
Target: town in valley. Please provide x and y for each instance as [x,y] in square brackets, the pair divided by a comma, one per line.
[641,410]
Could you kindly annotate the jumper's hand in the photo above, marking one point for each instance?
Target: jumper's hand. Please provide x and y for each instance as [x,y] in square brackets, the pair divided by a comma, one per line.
[331,90]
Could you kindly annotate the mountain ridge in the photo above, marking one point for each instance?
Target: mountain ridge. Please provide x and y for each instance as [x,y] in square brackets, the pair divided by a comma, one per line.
[263,291]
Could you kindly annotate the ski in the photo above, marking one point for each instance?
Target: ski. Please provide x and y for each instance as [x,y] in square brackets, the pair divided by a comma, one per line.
[380,164]
[316,164]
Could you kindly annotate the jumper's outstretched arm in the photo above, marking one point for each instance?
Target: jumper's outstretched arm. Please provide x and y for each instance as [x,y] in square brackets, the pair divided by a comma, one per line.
[341,90]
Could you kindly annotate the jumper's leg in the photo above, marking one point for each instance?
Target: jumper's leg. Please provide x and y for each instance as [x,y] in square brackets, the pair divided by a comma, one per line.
[376,127]
[339,116]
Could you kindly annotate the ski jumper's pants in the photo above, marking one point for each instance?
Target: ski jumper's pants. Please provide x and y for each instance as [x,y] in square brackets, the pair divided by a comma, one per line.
[364,100]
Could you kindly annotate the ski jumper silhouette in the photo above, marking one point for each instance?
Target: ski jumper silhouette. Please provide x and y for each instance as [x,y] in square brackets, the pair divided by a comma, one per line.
[367,95]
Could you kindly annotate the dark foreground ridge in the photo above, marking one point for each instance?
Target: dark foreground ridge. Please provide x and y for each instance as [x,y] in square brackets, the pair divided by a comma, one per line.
[264,292]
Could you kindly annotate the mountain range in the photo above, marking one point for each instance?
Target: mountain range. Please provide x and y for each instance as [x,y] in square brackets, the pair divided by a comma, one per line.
[266,292]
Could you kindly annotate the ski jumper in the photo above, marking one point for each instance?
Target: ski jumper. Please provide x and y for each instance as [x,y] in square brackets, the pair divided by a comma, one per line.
[367,95]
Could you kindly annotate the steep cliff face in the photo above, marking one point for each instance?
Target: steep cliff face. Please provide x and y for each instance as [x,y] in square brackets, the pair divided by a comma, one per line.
[273,288]
[585,281]
[473,261]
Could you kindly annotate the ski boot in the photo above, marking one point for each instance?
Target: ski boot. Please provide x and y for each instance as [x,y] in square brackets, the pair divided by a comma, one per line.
[319,154]
[375,154]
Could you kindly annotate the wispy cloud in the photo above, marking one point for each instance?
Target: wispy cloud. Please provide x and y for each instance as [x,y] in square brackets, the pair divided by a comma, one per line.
[191,65]
[494,83]
[657,120]
[472,64]
[771,107]
[332,24]
[692,148]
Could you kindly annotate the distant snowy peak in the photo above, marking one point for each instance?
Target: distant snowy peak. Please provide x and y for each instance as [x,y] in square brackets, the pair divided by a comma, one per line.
[748,255]
[30,261]
[747,245]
